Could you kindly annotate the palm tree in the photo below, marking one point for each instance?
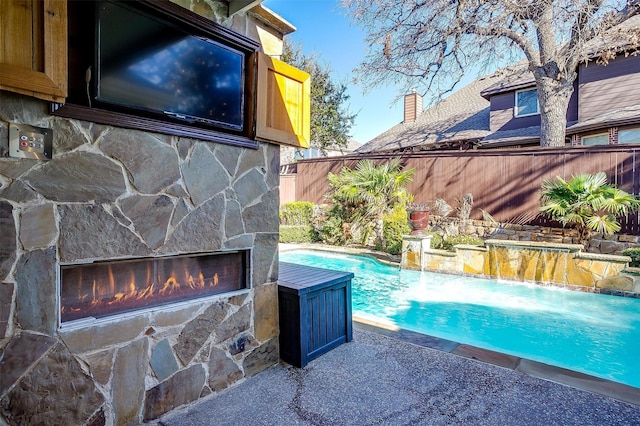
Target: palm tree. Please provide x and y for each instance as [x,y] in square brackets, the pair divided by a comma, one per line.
[586,202]
[371,191]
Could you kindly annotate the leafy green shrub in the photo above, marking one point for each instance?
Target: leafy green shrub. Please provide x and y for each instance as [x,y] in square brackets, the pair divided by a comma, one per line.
[472,240]
[296,213]
[587,202]
[634,254]
[395,226]
[298,234]
[367,193]
[332,233]
[436,240]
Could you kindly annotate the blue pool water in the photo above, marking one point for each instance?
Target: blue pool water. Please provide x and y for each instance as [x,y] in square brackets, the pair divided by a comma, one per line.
[590,333]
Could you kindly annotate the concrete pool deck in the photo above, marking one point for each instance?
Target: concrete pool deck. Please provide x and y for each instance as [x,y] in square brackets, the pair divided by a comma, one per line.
[394,377]
[532,368]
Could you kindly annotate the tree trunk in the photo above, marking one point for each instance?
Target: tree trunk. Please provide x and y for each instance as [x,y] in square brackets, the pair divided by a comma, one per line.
[553,97]
[379,231]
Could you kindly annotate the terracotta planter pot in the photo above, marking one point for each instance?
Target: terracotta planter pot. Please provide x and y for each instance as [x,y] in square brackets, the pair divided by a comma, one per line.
[418,221]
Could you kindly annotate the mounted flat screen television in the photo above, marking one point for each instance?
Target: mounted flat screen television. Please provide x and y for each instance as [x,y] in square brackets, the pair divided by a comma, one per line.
[145,63]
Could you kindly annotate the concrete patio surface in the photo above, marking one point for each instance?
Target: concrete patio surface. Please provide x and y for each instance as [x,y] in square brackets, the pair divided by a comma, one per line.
[378,379]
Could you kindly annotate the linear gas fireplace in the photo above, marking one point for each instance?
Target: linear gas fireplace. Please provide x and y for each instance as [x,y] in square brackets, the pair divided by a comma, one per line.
[103,289]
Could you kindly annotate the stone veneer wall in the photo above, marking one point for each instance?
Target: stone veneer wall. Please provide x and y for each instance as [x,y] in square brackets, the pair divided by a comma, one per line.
[564,265]
[117,193]
[599,243]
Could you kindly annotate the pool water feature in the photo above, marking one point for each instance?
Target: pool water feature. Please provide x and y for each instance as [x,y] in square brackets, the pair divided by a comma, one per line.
[590,333]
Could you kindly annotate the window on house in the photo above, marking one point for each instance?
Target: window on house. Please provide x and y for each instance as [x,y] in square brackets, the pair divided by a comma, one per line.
[527,102]
[629,136]
[599,139]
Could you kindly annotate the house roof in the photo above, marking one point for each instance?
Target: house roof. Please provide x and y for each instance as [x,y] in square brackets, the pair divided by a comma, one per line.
[352,145]
[618,117]
[520,78]
[500,138]
[460,117]
[621,38]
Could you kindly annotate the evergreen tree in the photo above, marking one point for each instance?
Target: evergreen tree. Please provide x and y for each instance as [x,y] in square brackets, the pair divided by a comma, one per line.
[331,120]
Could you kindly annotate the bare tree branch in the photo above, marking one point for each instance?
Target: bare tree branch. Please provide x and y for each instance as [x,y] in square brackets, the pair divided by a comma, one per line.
[432,44]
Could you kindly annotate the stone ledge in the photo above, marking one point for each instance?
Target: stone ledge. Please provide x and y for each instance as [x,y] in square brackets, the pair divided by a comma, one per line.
[535,244]
[438,252]
[603,257]
[470,247]
[417,237]
[632,271]
[378,255]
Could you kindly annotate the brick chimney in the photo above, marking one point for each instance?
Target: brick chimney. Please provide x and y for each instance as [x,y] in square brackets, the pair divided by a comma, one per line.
[412,106]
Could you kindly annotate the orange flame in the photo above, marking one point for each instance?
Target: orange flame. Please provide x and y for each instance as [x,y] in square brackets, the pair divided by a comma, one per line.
[170,285]
[114,286]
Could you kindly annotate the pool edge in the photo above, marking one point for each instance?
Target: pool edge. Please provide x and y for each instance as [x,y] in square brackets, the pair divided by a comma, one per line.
[563,376]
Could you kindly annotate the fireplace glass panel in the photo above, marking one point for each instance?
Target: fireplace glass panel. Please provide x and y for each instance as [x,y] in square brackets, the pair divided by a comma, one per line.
[108,288]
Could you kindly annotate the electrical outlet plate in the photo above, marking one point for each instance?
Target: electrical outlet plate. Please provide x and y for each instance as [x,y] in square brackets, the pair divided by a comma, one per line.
[27,141]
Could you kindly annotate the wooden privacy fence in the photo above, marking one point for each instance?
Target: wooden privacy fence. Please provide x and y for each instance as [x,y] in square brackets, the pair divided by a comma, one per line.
[504,183]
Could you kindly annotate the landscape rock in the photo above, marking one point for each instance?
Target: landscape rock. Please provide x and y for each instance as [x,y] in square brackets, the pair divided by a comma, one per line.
[622,283]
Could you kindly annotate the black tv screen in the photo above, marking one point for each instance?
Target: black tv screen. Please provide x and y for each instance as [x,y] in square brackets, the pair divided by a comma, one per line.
[147,64]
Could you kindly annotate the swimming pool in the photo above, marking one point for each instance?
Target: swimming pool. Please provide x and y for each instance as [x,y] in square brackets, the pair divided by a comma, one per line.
[590,333]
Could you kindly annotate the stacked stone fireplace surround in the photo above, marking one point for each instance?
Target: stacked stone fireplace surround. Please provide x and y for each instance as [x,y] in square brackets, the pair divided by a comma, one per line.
[112,193]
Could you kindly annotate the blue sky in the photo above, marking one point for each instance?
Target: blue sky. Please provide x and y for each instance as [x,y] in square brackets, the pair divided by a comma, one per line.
[323,28]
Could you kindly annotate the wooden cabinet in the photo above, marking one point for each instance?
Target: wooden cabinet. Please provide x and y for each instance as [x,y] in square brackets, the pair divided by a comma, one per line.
[314,305]
[33,48]
[283,103]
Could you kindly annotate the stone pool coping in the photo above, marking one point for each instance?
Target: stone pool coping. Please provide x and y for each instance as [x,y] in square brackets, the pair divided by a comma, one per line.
[378,255]
[525,366]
